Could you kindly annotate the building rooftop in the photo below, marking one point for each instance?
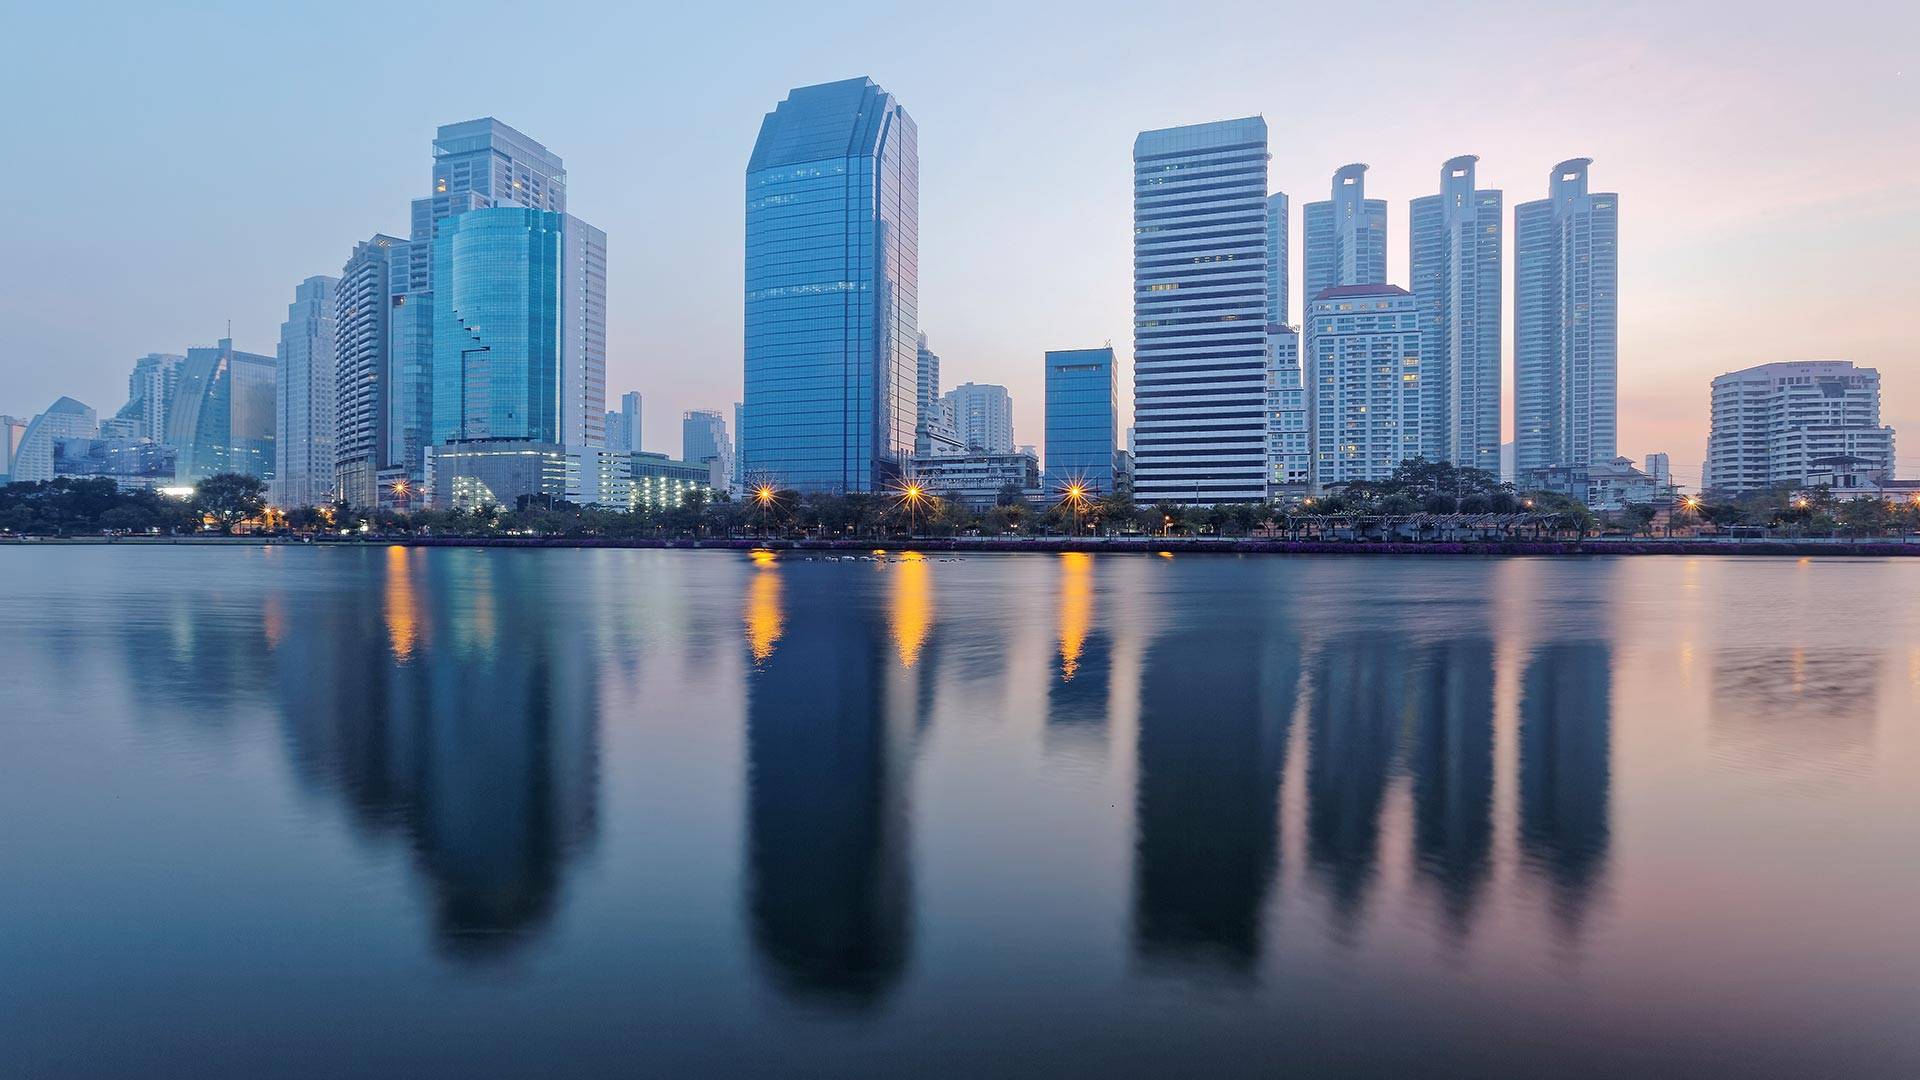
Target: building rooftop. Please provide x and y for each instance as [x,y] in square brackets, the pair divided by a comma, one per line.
[1339,292]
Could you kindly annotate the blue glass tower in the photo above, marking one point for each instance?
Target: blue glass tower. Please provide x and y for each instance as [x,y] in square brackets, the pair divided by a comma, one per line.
[832,290]
[1082,418]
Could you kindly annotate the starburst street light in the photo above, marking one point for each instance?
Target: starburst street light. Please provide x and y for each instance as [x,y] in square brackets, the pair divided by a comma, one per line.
[912,495]
[1076,495]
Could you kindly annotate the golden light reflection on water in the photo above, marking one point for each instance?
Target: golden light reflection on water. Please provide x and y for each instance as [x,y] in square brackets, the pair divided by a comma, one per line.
[912,605]
[1076,609]
[274,619]
[403,609]
[765,618]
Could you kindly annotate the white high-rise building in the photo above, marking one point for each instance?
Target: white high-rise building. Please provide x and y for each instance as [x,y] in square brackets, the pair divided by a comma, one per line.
[1775,424]
[982,416]
[1566,324]
[1346,235]
[1200,312]
[150,389]
[32,456]
[12,430]
[1363,371]
[366,440]
[1455,255]
[305,398]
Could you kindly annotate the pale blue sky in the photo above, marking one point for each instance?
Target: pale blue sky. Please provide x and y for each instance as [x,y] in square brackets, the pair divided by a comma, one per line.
[173,166]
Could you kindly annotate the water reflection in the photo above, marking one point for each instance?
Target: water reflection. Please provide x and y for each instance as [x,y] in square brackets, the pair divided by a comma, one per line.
[1359,707]
[1078,690]
[486,766]
[829,727]
[1452,765]
[764,617]
[1216,701]
[1566,715]
[1805,715]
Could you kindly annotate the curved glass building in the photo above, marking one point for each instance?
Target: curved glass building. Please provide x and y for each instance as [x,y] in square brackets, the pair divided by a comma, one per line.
[832,290]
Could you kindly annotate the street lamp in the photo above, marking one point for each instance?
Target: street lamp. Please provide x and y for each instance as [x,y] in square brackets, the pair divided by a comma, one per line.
[764,497]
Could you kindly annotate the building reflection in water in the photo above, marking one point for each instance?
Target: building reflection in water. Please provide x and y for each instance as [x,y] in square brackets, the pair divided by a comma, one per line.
[829,731]
[1216,700]
[1566,711]
[1358,709]
[1803,715]
[485,761]
[1452,766]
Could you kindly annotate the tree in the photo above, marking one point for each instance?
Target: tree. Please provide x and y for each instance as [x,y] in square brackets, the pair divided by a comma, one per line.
[230,497]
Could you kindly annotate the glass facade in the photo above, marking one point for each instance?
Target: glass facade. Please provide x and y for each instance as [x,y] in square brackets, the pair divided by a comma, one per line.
[1566,310]
[304,427]
[1082,419]
[223,414]
[832,290]
[1455,257]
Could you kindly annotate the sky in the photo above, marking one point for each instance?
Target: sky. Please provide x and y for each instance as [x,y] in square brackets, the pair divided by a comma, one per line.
[171,167]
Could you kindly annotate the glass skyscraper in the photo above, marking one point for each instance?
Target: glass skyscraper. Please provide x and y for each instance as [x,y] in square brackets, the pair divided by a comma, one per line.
[1455,255]
[1082,418]
[223,415]
[304,398]
[1346,236]
[1566,324]
[373,277]
[832,290]
[1200,312]
[519,331]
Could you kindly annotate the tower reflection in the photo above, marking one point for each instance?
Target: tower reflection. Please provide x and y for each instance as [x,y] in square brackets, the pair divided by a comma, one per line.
[486,762]
[1804,715]
[1566,715]
[829,727]
[1359,705]
[1452,765]
[1215,704]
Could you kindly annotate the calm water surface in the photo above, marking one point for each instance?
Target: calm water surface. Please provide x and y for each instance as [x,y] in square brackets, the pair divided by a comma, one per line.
[462,812]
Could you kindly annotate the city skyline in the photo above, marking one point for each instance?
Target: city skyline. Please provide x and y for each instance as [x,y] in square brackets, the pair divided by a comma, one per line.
[1803,224]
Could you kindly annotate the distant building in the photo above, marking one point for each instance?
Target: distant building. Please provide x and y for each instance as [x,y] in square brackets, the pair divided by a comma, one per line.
[476,473]
[1777,424]
[1566,316]
[976,480]
[832,272]
[1279,309]
[623,427]
[1606,485]
[704,441]
[1082,418]
[1346,235]
[1363,369]
[1455,255]
[982,416]
[12,430]
[305,398]
[130,461]
[661,483]
[222,419]
[1849,479]
[366,438]
[33,455]
[1289,438]
[1658,466]
[150,394]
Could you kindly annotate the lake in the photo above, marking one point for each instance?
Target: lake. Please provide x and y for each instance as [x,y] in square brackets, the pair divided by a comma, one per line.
[448,812]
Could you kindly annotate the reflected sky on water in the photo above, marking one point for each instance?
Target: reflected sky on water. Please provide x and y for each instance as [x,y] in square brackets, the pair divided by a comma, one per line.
[580,812]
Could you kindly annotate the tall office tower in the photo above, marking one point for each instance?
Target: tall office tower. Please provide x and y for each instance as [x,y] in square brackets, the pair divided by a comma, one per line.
[476,164]
[1200,312]
[1289,437]
[1775,424]
[223,414]
[703,440]
[1083,416]
[1346,236]
[982,416]
[1364,366]
[305,398]
[150,394]
[739,470]
[1566,314]
[1277,247]
[1455,254]
[832,290]
[32,455]
[364,441]
[623,427]
[927,413]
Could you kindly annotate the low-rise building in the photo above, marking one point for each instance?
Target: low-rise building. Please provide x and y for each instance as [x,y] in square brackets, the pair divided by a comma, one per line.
[976,480]
[658,482]
[1604,485]
[476,473]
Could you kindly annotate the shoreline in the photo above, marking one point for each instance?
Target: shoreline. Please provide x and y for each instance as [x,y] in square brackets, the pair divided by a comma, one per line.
[1055,544]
